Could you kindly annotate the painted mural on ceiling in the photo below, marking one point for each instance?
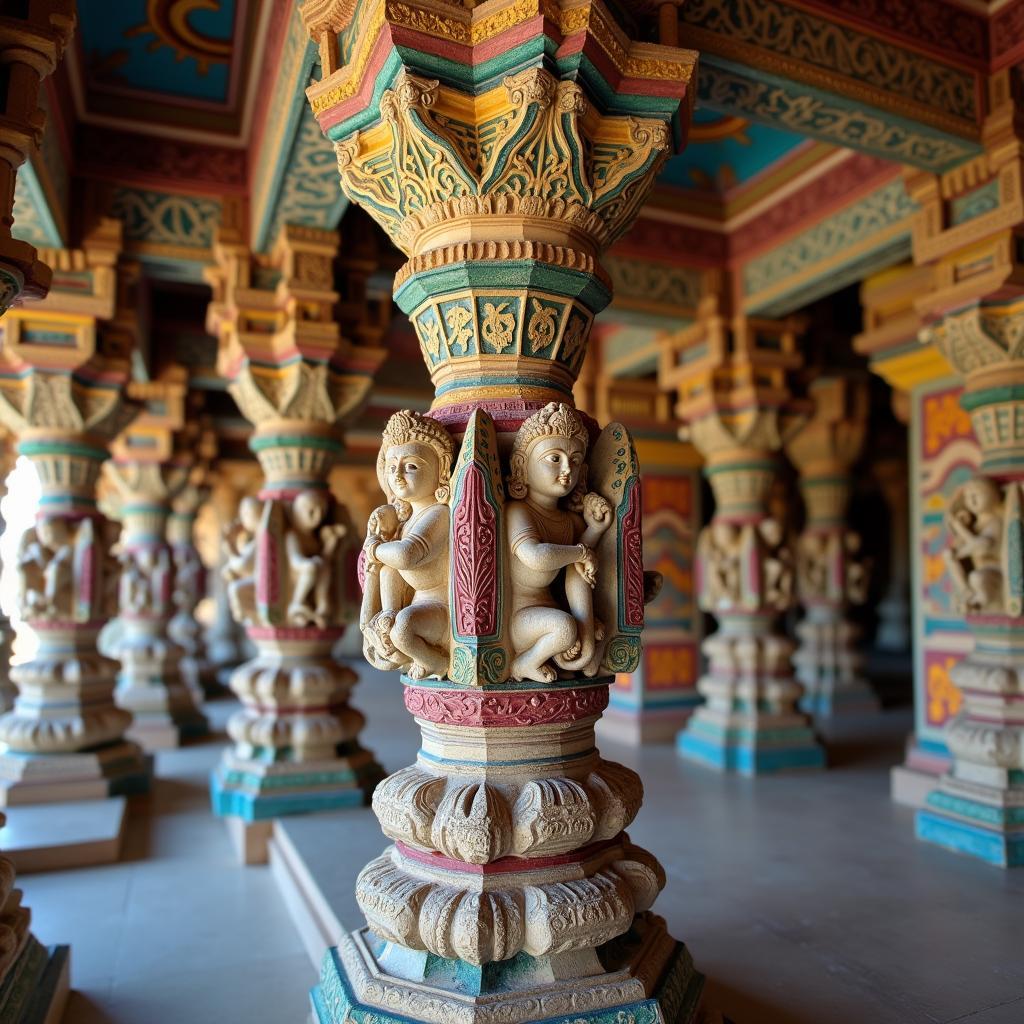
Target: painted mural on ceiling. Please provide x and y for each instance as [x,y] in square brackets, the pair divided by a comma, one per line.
[725,152]
[177,49]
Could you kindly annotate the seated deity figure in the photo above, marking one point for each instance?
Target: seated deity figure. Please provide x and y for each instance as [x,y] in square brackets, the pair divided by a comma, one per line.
[312,547]
[777,564]
[404,614]
[238,546]
[975,519]
[146,581]
[545,538]
[46,568]
[721,550]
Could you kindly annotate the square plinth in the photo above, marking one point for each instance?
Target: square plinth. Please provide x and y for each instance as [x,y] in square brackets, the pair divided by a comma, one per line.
[648,979]
[53,837]
[754,751]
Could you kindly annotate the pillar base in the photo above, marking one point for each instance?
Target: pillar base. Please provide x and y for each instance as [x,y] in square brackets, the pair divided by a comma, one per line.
[255,791]
[648,978]
[752,745]
[925,763]
[36,988]
[166,730]
[982,821]
[848,699]
[119,769]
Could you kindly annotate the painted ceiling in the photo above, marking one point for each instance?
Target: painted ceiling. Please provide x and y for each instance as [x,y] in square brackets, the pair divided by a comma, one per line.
[164,61]
[175,48]
[726,152]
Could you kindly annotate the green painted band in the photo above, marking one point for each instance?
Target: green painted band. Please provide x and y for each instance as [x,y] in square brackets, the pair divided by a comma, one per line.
[737,467]
[971,400]
[88,451]
[262,443]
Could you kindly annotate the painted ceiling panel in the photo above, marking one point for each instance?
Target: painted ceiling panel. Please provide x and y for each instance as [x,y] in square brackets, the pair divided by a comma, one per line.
[725,152]
[175,48]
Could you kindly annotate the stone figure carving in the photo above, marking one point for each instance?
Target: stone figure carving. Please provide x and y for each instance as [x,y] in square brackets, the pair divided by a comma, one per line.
[776,564]
[147,575]
[721,553]
[404,614]
[238,546]
[46,563]
[313,547]
[554,525]
[975,521]
[188,579]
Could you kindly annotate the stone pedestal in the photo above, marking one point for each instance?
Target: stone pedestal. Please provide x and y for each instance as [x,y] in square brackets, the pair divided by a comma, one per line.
[831,571]
[34,980]
[503,573]
[289,564]
[739,413]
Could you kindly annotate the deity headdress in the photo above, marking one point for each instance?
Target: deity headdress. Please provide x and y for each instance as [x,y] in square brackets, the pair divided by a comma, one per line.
[411,428]
[556,419]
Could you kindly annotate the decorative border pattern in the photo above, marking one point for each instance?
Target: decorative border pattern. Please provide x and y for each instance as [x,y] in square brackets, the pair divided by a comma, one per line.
[731,89]
[878,227]
[494,710]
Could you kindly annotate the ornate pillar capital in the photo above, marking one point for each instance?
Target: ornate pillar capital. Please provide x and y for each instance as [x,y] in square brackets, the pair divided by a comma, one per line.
[732,379]
[503,195]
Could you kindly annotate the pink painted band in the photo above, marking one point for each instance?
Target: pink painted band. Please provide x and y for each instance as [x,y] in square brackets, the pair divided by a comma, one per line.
[490,709]
[506,865]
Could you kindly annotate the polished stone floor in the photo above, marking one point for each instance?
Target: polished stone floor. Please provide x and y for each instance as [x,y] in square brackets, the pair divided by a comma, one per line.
[805,899]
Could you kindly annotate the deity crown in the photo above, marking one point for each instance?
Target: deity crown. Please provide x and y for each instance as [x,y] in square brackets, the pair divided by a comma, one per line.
[407,427]
[556,419]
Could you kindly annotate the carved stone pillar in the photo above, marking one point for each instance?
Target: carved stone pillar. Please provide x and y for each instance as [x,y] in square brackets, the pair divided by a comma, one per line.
[147,474]
[61,395]
[978,807]
[289,570]
[8,691]
[34,980]
[504,575]
[32,40]
[830,569]
[967,232]
[731,376]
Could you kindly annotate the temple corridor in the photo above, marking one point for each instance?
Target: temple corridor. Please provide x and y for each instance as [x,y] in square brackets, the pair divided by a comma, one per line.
[845,918]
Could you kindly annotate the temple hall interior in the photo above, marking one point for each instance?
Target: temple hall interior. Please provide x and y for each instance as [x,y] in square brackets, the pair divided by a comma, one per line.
[511,511]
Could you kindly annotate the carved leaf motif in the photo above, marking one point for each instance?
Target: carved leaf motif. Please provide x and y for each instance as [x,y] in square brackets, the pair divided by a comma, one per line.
[553,816]
[474,550]
[472,824]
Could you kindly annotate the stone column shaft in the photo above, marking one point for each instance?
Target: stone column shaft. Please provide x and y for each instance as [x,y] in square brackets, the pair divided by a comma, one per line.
[151,467]
[739,413]
[288,568]
[63,399]
[511,883]
[831,574]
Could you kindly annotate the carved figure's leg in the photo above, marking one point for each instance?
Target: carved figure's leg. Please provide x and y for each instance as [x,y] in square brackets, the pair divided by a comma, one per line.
[419,631]
[538,634]
[298,610]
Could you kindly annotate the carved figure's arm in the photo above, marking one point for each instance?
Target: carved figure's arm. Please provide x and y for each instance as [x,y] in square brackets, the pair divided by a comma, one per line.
[534,553]
[296,559]
[419,544]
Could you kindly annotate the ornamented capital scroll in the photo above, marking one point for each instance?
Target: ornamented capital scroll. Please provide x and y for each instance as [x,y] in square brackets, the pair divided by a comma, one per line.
[502,195]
